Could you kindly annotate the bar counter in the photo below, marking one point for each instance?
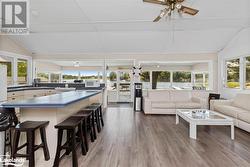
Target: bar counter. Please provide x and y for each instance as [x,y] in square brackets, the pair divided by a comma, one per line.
[53,108]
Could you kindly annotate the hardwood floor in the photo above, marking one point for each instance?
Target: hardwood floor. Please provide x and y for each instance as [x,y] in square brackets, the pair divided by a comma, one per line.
[136,140]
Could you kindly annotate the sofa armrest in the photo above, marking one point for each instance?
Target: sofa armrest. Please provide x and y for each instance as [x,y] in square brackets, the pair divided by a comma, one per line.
[203,102]
[147,105]
[219,102]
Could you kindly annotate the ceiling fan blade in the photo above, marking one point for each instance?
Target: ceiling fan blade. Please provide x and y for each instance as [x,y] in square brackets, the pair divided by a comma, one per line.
[188,10]
[161,2]
[161,15]
[157,19]
[179,1]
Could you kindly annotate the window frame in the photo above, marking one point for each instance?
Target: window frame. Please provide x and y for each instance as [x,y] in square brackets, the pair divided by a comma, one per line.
[225,73]
[15,57]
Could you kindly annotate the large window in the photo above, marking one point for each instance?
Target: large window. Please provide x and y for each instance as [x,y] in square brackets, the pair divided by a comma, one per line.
[124,77]
[111,80]
[44,77]
[145,79]
[9,72]
[181,76]
[247,80]
[233,73]
[54,78]
[201,80]
[22,71]
[160,79]
[70,76]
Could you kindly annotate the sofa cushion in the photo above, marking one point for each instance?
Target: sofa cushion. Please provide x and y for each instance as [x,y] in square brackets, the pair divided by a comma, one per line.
[187,105]
[229,110]
[245,116]
[157,95]
[163,104]
[180,96]
[242,101]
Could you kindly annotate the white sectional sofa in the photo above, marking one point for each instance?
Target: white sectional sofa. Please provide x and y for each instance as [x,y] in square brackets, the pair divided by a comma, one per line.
[167,101]
[238,108]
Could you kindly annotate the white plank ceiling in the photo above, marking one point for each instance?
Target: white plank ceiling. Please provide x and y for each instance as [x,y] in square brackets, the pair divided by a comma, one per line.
[125,26]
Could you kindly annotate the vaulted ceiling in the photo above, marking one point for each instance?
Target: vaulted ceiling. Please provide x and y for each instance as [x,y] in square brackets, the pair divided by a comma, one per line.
[125,26]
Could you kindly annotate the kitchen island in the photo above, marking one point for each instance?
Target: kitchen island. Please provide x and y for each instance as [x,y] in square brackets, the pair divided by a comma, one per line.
[53,108]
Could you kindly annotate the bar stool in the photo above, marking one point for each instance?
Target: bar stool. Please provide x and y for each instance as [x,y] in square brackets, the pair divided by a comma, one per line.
[95,110]
[100,111]
[29,128]
[13,121]
[88,125]
[70,125]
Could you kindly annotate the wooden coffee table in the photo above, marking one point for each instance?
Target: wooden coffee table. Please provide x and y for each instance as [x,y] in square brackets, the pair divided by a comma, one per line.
[203,117]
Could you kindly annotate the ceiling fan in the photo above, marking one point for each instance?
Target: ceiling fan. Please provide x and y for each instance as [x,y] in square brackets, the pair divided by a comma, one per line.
[171,6]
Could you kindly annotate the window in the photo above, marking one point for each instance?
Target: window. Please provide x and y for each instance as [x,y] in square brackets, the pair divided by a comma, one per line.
[88,75]
[145,79]
[247,80]
[111,81]
[124,77]
[206,80]
[22,69]
[54,78]
[9,72]
[160,79]
[181,76]
[112,76]
[44,77]
[201,80]
[233,73]
[70,76]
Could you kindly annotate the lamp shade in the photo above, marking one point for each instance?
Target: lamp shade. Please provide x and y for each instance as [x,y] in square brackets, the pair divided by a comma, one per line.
[2,59]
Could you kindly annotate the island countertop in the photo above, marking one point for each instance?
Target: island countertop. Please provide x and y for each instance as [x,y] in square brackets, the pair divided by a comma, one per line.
[51,101]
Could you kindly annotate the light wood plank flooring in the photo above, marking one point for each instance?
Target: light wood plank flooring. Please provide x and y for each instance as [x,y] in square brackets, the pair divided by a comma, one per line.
[136,140]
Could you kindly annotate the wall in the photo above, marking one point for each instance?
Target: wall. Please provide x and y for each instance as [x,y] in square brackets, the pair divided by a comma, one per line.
[46,67]
[237,47]
[200,67]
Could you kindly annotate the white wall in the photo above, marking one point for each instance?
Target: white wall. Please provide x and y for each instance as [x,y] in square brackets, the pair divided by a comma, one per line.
[239,46]
[46,67]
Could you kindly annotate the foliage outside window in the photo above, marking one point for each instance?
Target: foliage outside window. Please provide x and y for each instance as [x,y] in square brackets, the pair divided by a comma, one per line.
[89,75]
[206,80]
[247,80]
[44,77]
[198,80]
[124,77]
[182,76]
[54,78]
[69,76]
[233,73]
[145,79]
[160,79]
[112,76]
[145,76]
[201,80]
[9,72]
[22,71]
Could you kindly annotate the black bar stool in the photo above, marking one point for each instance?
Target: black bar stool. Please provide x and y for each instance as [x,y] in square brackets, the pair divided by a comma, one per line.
[13,121]
[4,126]
[100,111]
[29,128]
[70,125]
[95,110]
